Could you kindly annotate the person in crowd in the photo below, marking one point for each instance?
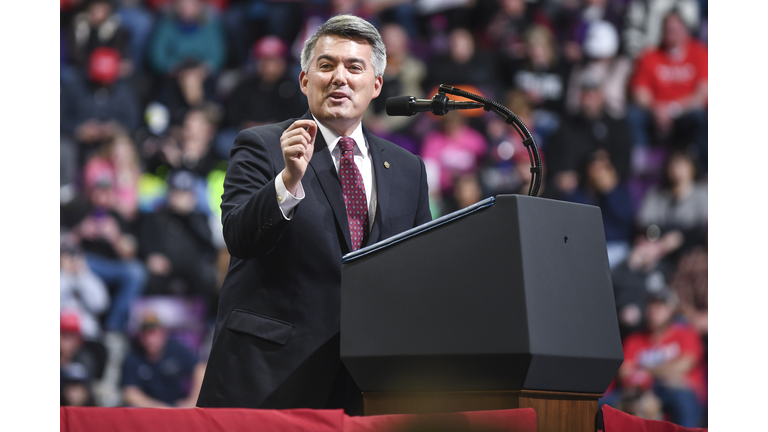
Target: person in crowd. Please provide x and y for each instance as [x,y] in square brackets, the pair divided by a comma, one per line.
[690,283]
[187,32]
[452,150]
[573,20]
[646,269]
[190,148]
[265,96]
[78,364]
[673,225]
[584,133]
[98,26]
[643,22]
[669,91]
[507,169]
[76,387]
[187,147]
[671,222]
[118,160]
[247,21]
[679,206]
[601,61]
[464,64]
[467,190]
[139,21]
[96,105]
[603,187]
[665,359]
[81,291]
[160,372]
[187,52]
[403,76]
[285,182]
[543,76]
[110,246]
[506,32]
[177,247]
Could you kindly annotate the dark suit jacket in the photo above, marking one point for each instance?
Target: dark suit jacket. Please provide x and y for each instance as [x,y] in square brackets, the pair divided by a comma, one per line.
[280,300]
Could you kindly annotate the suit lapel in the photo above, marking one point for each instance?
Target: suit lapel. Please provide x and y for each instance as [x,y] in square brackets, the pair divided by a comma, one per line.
[383,183]
[325,171]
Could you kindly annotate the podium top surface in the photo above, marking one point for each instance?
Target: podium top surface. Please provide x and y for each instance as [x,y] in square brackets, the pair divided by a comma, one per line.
[488,202]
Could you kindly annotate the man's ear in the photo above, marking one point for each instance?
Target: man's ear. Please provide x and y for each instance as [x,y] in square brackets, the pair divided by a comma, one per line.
[377,87]
[303,79]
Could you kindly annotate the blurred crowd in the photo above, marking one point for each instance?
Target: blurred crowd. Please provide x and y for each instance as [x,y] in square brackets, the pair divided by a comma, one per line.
[153,93]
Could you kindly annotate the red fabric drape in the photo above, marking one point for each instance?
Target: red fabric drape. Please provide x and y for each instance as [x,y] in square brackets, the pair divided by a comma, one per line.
[76,419]
[619,421]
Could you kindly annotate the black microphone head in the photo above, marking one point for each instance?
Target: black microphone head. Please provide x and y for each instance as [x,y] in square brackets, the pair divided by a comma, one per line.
[399,106]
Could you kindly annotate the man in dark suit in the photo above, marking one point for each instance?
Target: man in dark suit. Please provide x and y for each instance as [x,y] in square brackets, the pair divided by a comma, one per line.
[298,196]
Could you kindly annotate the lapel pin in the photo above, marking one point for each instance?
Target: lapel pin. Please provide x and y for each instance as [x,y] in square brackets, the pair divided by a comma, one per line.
[386,164]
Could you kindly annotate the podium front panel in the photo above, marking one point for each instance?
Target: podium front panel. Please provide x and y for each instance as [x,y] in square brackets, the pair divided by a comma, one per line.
[495,300]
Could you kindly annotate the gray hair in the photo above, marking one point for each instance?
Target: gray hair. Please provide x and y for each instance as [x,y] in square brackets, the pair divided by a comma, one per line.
[351,27]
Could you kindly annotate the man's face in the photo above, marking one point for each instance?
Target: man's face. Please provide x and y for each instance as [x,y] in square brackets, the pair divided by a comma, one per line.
[181,201]
[340,82]
[189,10]
[70,343]
[395,39]
[675,32]
[658,314]
[153,340]
[98,13]
[592,101]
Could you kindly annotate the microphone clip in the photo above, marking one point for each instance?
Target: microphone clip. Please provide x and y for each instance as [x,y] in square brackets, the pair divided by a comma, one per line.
[439,105]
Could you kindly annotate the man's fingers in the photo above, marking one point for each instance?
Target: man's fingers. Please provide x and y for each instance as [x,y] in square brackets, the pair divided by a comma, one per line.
[300,140]
[295,151]
[312,131]
[301,133]
[302,124]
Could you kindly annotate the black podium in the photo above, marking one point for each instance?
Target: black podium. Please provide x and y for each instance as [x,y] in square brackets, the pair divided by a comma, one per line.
[505,304]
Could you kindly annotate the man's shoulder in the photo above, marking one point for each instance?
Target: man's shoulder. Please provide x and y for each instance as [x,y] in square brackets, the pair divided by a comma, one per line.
[389,147]
[650,55]
[134,359]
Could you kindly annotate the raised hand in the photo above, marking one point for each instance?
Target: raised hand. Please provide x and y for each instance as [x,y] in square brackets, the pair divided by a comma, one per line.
[298,145]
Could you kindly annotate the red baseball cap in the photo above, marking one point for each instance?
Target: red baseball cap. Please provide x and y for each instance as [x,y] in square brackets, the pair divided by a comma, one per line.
[104,65]
[70,322]
[269,46]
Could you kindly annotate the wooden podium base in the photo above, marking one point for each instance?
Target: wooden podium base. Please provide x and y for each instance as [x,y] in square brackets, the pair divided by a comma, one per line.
[555,411]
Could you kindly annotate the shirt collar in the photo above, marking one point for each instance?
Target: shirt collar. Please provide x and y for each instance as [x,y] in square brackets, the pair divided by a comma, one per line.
[332,138]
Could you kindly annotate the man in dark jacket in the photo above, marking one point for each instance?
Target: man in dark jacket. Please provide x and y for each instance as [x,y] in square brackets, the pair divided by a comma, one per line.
[298,195]
[177,246]
[581,135]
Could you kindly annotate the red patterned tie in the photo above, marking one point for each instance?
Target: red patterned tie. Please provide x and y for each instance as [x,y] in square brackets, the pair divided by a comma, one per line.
[353,188]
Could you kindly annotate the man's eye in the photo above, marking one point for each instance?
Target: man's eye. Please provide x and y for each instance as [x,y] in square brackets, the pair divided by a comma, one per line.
[356,68]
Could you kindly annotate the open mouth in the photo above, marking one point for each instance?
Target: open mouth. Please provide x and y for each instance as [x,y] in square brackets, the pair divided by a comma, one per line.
[338,97]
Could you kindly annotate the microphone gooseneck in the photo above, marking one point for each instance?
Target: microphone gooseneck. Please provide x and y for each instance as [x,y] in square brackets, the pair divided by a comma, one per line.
[438,105]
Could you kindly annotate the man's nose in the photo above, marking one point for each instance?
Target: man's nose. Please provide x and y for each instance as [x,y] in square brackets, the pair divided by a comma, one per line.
[340,75]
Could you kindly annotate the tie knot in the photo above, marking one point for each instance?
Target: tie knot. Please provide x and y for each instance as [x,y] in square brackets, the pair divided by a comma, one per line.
[346,144]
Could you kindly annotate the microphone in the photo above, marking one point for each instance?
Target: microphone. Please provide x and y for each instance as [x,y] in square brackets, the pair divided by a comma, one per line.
[438,105]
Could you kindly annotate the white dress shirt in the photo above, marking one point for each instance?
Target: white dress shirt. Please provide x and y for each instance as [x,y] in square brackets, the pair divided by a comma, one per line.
[362,152]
